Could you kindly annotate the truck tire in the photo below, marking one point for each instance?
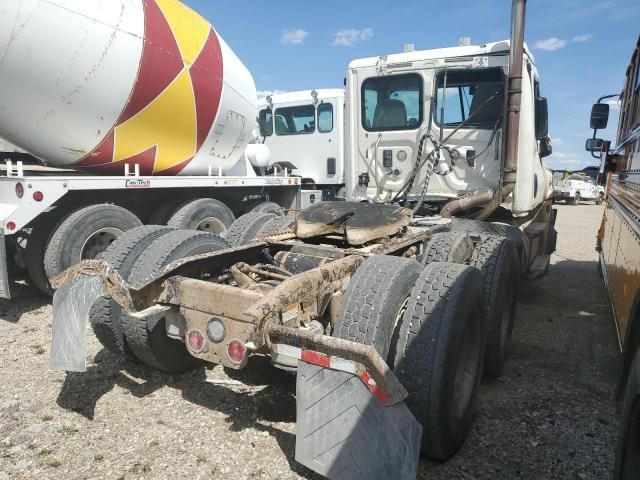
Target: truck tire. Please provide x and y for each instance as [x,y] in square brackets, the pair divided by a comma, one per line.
[439,354]
[105,315]
[162,213]
[599,199]
[277,226]
[86,234]
[375,300]
[246,228]
[205,215]
[627,463]
[481,229]
[268,207]
[36,248]
[452,247]
[149,342]
[577,199]
[497,260]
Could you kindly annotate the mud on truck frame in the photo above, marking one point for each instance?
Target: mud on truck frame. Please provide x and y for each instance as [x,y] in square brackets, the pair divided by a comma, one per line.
[389,340]
[389,310]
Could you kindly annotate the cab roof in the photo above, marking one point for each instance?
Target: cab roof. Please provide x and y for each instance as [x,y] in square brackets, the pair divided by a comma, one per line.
[494,48]
[303,96]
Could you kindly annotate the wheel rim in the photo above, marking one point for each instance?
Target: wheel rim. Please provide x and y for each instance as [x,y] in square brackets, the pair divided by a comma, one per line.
[467,368]
[211,225]
[98,242]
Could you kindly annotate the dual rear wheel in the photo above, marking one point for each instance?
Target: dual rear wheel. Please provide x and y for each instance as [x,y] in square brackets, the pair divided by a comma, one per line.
[138,256]
[440,322]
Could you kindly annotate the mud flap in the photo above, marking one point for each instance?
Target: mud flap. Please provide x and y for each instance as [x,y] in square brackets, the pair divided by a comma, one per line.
[71,304]
[5,292]
[343,432]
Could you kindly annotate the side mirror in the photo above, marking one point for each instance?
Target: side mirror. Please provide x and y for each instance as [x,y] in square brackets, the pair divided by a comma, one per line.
[542,118]
[599,116]
[594,144]
[545,147]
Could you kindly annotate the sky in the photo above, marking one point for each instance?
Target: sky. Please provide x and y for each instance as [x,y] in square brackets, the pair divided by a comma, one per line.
[582,47]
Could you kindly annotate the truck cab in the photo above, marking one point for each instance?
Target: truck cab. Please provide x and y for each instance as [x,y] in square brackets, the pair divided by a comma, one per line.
[306,130]
[448,105]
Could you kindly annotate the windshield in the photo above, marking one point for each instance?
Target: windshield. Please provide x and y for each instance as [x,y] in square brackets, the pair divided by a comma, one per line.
[392,103]
[473,95]
[295,120]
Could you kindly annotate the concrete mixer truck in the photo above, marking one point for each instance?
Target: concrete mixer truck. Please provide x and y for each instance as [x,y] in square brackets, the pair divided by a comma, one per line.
[140,113]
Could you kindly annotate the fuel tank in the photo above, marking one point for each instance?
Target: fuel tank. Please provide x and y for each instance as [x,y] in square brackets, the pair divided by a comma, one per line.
[97,84]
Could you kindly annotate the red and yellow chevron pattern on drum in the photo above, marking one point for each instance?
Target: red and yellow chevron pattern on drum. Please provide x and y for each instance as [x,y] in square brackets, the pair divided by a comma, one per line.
[175,99]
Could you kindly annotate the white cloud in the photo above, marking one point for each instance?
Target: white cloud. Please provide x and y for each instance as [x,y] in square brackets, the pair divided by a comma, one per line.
[550,44]
[566,161]
[613,104]
[556,142]
[293,36]
[582,38]
[350,36]
[266,93]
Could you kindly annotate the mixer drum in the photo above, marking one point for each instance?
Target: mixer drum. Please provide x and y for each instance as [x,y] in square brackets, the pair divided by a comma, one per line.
[96,84]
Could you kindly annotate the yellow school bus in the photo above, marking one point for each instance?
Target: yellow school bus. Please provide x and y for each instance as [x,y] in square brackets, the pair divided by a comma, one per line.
[619,248]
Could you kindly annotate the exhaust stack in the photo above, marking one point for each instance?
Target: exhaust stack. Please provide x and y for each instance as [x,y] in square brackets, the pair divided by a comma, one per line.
[514,95]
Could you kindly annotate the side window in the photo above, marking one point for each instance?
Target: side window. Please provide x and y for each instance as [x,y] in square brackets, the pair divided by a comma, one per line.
[392,103]
[295,120]
[475,96]
[266,122]
[325,117]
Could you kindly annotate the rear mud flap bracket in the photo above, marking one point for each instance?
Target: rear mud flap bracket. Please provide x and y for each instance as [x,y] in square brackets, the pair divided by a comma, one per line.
[343,432]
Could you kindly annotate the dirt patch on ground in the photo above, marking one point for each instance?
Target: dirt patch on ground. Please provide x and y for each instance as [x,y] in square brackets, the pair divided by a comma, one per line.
[550,415]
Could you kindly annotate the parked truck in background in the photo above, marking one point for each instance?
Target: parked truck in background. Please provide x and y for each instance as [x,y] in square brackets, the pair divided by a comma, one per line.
[306,130]
[141,113]
[619,249]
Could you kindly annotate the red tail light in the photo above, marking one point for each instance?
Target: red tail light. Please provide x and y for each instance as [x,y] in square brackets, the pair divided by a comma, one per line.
[196,341]
[236,351]
[38,196]
[11,226]
[19,190]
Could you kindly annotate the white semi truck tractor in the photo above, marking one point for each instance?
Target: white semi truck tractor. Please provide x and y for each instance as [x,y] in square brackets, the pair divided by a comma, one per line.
[304,131]
[141,113]
[390,307]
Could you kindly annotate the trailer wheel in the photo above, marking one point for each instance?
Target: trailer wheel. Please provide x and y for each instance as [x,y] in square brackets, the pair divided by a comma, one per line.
[205,215]
[439,354]
[268,207]
[105,315]
[452,247]
[149,342]
[277,226]
[246,228]
[599,199]
[162,213]
[496,258]
[375,300]
[85,235]
[627,464]
[36,248]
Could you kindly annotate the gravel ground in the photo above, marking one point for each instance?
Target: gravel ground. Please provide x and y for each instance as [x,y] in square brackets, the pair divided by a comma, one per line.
[550,415]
